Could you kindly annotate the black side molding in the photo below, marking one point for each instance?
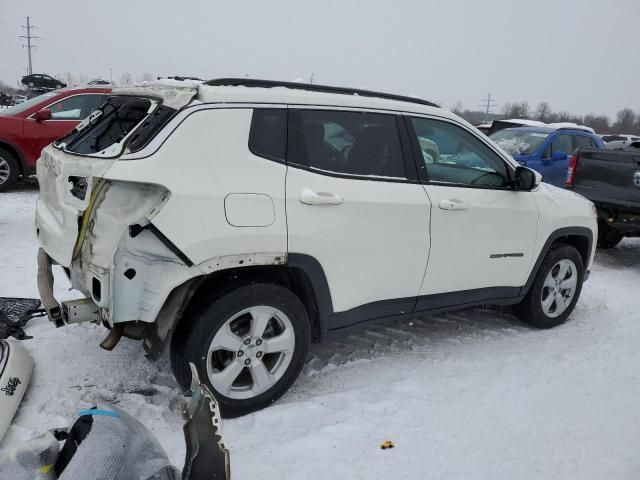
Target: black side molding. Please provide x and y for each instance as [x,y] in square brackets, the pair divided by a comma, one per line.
[135,230]
[561,232]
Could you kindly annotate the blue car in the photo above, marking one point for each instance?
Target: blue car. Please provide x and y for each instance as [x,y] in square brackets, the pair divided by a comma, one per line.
[545,149]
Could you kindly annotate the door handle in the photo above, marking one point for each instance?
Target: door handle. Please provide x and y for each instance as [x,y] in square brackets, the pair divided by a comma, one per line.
[309,197]
[454,204]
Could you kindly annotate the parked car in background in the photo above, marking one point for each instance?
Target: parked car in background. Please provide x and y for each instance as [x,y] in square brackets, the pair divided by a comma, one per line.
[25,129]
[285,199]
[546,149]
[41,80]
[611,180]
[17,98]
[619,141]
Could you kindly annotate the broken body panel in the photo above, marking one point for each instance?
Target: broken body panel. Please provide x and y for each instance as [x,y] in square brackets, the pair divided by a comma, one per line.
[135,230]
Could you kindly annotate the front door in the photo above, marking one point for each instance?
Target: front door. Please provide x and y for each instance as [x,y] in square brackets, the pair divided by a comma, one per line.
[482,231]
[352,207]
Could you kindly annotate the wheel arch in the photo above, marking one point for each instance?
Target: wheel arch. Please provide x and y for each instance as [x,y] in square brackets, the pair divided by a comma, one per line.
[579,237]
[302,274]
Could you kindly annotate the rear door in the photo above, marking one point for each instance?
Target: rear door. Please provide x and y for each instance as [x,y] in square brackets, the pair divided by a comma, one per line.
[354,205]
[65,115]
[482,231]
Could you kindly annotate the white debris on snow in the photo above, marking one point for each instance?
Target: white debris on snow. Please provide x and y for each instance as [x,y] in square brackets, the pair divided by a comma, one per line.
[471,394]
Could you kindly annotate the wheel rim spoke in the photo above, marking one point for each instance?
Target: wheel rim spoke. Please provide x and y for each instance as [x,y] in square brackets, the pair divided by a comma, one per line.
[260,318]
[547,302]
[224,380]
[562,272]
[227,340]
[262,379]
[283,343]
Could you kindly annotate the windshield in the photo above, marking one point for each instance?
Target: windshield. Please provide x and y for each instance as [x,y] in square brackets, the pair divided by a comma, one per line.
[518,142]
[27,104]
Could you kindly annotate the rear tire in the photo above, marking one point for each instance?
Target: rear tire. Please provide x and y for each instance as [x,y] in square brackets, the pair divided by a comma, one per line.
[8,170]
[555,290]
[608,237]
[249,345]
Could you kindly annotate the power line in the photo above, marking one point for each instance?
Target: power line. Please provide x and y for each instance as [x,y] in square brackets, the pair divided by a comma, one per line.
[488,104]
[29,45]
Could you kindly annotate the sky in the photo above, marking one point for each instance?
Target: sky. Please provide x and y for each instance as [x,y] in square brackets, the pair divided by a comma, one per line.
[578,55]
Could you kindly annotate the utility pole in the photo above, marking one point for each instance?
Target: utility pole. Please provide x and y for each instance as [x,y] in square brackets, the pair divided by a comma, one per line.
[311,79]
[29,45]
[488,104]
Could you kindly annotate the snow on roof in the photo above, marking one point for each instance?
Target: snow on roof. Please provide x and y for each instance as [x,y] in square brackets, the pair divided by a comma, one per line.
[556,125]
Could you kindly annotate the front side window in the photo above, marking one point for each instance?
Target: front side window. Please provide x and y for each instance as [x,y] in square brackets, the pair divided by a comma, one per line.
[451,155]
[354,143]
[76,107]
[562,143]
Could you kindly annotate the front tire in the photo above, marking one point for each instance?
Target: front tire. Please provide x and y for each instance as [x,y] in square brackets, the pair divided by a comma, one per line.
[555,290]
[249,346]
[8,170]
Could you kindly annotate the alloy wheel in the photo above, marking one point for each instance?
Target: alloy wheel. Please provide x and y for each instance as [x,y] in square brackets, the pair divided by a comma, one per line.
[559,288]
[250,352]
[5,170]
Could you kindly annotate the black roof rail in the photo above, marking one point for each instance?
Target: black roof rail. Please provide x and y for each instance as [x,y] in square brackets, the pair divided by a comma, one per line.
[312,87]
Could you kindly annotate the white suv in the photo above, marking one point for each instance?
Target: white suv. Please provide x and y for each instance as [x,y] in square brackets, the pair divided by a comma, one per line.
[240,220]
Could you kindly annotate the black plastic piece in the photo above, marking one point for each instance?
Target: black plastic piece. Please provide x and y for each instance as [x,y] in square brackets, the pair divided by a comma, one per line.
[135,230]
[311,87]
[14,315]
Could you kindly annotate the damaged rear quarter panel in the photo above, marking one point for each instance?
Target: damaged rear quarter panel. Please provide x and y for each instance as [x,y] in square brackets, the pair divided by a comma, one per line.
[193,166]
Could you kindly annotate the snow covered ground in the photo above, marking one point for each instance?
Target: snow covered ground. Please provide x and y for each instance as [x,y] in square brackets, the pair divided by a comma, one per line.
[472,394]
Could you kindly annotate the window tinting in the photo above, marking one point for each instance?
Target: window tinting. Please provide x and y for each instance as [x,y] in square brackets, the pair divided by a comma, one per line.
[452,155]
[562,144]
[582,142]
[268,133]
[355,143]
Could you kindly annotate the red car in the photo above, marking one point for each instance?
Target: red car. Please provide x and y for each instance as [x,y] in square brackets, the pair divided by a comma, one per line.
[28,127]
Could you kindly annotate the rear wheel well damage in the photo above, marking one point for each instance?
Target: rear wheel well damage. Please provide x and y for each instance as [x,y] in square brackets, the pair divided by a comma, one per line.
[185,301]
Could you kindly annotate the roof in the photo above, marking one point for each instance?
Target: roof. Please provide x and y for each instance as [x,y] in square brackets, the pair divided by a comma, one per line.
[235,90]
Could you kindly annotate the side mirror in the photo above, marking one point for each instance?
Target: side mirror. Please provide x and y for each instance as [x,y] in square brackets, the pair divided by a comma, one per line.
[42,115]
[558,156]
[527,179]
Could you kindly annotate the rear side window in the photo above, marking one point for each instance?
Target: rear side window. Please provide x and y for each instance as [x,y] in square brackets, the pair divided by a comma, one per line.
[105,130]
[268,133]
[582,142]
[353,143]
[562,143]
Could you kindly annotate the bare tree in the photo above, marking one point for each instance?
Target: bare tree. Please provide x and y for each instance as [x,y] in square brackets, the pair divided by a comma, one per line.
[600,123]
[146,77]
[543,112]
[625,121]
[125,78]
[458,109]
